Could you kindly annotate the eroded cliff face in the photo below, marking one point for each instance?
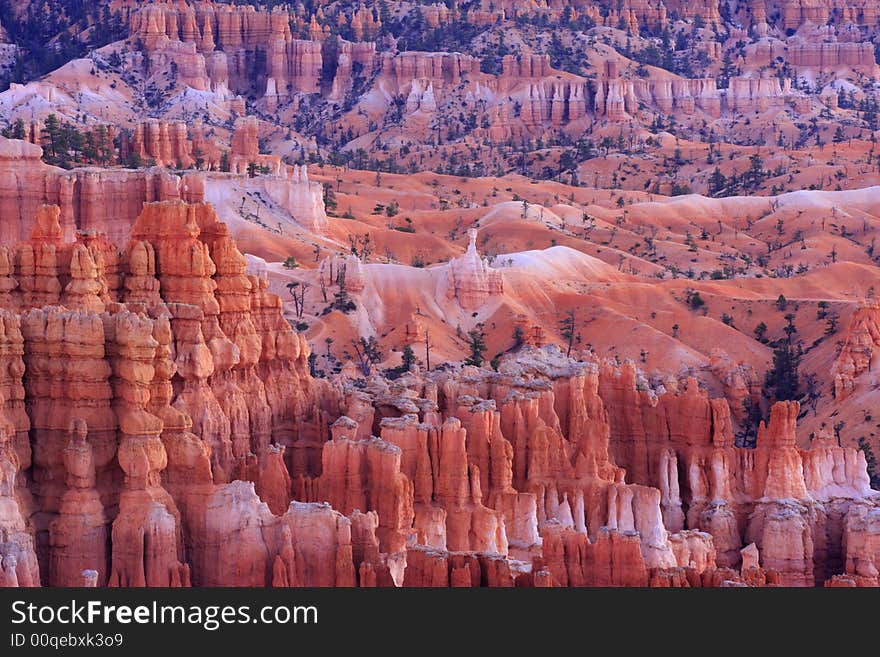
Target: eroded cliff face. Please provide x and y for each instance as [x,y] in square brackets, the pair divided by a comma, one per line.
[522,463]
[283,56]
[427,91]
[794,13]
[125,354]
[471,280]
[792,504]
[104,200]
[215,47]
[160,427]
[857,352]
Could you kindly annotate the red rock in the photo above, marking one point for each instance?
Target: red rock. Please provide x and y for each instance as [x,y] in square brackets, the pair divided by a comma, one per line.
[366,475]
[862,540]
[302,199]
[106,200]
[146,537]
[12,391]
[471,280]
[829,57]
[165,143]
[862,338]
[78,536]
[87,284]
[428,567]
[18,557]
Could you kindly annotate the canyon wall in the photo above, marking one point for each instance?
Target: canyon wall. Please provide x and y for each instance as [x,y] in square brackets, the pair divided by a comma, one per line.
[160,428]
[222,47]
[107,201]
[791,503]
[162,364]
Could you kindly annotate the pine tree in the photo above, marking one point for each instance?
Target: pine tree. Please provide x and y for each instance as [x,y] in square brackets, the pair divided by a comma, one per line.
[104,145]
[368,353]
[717,182]
[408,358]
[75,140]
[198,157]
[477,345]
[760,332]
[755,173]
[17,131]
[518,338]
[567,328]
[90,149]
[50,138]
[783,379]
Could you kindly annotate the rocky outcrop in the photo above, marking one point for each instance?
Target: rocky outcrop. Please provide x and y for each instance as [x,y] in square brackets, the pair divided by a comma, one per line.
[366,475]
[112,410]
[794,13]
[105,201]
[707,10]
[790,503]
[828,57]
[147,549]
[217,47]
[471,280]
[173,436]
[816,50]
[439,568]
[245,151]
[165,143]
[742,386]
[363,23]
[530,66]
[68,380]
[438,69]
[749,94]
[241,543]
[18,554]
[221,334]
[862,540]
[857,352]
[78,537]
[348,57]
[302,198]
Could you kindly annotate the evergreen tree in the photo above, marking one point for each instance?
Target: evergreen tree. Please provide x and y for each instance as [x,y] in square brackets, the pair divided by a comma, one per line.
[103,145]
[760,332]
[408,358]
[90,148]
[368,353]
[75,141]
[50,137]
[567,328]
[18,131]
[477,344]
[783,380]
[717,182]
[518,338]
[755,174]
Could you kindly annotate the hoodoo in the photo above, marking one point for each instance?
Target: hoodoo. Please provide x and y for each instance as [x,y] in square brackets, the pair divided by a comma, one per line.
[496,293]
